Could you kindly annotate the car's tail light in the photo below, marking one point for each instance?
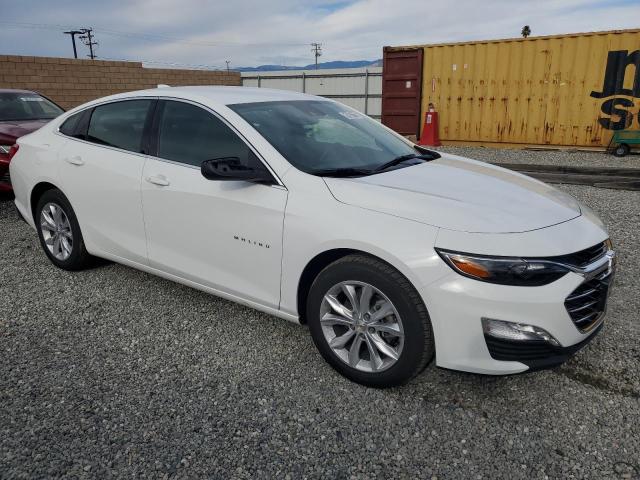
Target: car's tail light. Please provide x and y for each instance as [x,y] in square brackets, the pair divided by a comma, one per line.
[13,150]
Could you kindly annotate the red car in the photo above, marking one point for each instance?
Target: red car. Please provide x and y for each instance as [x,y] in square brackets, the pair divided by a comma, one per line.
[21,112]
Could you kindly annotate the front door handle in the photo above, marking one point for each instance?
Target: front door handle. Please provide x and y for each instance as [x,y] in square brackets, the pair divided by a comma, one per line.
[77,160]
[160,180]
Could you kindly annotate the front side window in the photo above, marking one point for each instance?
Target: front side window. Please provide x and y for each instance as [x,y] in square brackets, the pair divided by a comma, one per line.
[316,136]
[22,106]
[119,124]
[189,134]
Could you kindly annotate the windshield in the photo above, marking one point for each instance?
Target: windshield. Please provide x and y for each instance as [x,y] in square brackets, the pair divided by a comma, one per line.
[20,106]
[318,136]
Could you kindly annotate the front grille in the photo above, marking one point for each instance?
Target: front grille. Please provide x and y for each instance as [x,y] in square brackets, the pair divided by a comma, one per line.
[583,257]
[587,303]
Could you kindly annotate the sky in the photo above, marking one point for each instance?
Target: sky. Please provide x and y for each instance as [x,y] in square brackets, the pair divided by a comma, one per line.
[250,33]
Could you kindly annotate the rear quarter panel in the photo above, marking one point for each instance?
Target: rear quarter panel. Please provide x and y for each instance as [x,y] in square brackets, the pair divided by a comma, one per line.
[35,162]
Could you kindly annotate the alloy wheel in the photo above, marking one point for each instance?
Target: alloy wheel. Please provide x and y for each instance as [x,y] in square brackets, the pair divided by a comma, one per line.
[56,231]
[362,326]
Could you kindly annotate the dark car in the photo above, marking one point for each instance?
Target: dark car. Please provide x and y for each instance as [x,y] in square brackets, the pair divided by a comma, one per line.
[21,112]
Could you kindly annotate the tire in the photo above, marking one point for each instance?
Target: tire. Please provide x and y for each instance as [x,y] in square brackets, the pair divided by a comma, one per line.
[351,277]
[69,252]
[621,150]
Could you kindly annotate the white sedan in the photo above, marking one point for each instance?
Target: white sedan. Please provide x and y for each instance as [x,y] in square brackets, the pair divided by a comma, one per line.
[303,208]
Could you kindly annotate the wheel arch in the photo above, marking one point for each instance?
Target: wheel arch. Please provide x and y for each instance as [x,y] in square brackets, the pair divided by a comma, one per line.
[36,192]
[322,260]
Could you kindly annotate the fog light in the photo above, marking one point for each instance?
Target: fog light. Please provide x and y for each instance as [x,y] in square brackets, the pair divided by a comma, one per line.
[516,331]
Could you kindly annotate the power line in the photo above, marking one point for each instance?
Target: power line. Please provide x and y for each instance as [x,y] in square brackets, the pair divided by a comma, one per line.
[154,37]
[89,40]
[165,63]
[149,36]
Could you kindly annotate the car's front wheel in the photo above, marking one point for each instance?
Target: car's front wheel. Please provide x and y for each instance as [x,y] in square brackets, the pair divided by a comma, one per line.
[59,232]
[369,322]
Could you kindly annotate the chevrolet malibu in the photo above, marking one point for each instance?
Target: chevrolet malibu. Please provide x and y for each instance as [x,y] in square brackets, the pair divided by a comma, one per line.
[305,209]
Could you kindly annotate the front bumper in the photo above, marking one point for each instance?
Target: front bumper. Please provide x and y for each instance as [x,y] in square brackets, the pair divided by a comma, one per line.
[457,305]
[537,355]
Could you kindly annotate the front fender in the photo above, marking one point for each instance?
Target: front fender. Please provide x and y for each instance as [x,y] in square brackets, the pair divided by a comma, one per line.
[404,244]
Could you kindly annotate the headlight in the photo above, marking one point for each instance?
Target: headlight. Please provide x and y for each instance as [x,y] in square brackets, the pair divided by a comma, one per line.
[4,149]
[525,272]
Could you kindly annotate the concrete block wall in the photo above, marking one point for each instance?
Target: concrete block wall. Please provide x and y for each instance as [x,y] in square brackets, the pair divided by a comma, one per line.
[71,82]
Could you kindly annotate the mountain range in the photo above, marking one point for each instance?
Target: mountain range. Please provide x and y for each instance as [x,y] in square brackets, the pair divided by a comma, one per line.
[323,65]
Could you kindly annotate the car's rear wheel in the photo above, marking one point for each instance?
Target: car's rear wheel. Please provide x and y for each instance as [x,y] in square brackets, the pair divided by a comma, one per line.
[59,232]
[369,322]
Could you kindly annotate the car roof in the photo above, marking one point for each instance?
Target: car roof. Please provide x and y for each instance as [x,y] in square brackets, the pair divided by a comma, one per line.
[221,95]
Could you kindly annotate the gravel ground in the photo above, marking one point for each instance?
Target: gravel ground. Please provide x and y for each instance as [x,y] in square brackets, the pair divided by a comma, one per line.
[115,373]
[545,157]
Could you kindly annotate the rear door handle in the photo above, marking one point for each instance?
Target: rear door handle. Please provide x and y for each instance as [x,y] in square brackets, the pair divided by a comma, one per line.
[160,180]
[75,160]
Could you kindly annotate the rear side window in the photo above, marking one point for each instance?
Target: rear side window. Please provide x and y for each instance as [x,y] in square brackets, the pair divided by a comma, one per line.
[189,134]
[119,124]
[69,126]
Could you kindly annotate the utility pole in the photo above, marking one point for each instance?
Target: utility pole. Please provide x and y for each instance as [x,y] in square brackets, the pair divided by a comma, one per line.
[73,34]
[87,38]
[227,62]
[316,48]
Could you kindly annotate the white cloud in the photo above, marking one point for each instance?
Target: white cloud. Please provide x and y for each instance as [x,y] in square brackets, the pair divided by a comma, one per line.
[279,31]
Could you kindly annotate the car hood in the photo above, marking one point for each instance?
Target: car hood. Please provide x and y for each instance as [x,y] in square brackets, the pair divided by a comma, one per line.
[16,129]
[459,194]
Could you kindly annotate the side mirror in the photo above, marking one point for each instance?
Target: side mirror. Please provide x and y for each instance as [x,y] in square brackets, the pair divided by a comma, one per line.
[230,168]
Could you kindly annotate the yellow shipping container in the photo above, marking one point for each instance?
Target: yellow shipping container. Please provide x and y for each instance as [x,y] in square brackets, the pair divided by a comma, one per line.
[568,90]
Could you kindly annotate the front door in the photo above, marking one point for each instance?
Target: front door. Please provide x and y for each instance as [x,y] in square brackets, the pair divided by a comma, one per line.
[221,234]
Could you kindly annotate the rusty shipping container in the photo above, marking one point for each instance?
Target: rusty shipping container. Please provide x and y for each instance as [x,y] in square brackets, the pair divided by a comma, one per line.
[401,90]
[565,90]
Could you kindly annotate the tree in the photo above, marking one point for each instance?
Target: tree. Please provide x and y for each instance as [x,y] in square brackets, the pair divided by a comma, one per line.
[526,31]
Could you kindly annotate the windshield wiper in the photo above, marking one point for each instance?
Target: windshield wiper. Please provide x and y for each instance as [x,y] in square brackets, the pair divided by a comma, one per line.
[403,158]
[360,172]
[342,172]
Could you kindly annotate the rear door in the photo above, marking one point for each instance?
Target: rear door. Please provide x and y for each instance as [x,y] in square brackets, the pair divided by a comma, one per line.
[402,90]
[100,172]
